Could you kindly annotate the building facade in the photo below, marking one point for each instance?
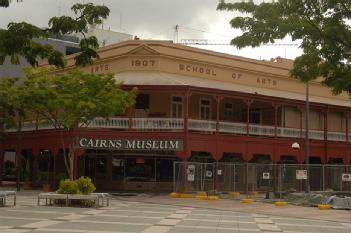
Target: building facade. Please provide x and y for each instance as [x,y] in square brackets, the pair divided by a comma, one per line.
[67,45]
[192,105]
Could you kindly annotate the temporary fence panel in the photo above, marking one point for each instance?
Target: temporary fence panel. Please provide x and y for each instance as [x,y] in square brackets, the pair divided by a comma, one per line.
[248,177]
[231,177]
[260,177]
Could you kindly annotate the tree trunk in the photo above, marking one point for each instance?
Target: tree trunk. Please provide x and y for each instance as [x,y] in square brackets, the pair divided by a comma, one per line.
[65,156]
[71,160]
[18,152]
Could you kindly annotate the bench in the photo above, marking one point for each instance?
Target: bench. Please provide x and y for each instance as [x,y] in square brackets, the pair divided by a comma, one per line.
[105,199]
[5,194]
[82,197]
[49,197]
[98,198]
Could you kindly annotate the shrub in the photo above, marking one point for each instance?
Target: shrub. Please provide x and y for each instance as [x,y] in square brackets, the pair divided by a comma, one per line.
[68,186]
[85,186]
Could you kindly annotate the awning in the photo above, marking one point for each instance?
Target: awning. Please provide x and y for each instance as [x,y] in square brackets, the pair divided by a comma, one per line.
[168,79]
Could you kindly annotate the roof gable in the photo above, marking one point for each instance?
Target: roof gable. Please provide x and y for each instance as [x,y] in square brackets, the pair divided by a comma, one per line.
[143,49]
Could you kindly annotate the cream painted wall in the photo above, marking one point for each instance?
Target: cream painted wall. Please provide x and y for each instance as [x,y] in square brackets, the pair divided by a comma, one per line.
[160,103]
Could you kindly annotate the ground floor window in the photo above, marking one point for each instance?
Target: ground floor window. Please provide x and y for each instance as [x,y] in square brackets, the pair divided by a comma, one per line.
[124,168]
[140,169]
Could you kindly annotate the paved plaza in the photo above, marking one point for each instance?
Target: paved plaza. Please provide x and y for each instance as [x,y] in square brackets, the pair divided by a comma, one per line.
[160,214]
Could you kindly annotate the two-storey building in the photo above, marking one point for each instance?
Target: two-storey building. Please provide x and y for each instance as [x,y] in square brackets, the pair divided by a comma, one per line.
[192,105]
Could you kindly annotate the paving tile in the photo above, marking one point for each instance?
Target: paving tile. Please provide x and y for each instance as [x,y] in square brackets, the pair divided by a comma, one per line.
[169,222]
[177,216]
[99,226]
[263,220]
[137,216]
[157,229]
[40,224]
[184,211]
[14,222]
[268,227]
[14,231]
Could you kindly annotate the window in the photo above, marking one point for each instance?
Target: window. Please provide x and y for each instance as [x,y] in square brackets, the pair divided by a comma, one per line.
[117,168]
[164,170]
[255,116]
[72,50]
[140,170]
[177,107]
[142,101]
[228,112]
[205,109]
[101,168]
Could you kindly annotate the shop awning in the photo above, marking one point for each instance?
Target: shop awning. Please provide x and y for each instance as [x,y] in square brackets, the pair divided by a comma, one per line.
[168,79]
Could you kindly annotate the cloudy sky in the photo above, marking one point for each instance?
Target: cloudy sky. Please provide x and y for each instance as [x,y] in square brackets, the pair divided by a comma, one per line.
[153,19]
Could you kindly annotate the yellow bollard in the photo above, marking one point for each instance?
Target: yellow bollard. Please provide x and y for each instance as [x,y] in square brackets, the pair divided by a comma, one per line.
[246,200]
[212,198]
[201,197]
[186,195]
[174,194]
[280,203]
[324,206]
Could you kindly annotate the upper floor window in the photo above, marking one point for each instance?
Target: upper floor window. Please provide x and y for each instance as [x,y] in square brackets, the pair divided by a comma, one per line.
[255,116]
[228,112]
[205,108]
[177,107]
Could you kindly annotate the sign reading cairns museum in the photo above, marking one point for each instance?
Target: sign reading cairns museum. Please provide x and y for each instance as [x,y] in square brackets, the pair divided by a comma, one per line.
[131,144]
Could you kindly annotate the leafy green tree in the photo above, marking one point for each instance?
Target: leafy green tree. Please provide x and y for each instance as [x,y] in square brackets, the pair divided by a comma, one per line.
[4,3]
[15,105]
[70,101]
[322,26]
[17,40]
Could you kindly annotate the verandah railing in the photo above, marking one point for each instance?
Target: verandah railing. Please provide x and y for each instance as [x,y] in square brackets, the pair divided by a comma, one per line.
[210,126]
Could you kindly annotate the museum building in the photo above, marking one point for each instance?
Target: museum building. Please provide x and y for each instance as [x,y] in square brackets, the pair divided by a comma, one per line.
[192,105]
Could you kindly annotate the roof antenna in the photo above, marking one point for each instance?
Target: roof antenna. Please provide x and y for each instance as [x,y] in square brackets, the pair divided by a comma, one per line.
[176,33]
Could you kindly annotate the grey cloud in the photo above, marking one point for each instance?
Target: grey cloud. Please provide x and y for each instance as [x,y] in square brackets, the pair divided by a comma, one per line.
[145,16]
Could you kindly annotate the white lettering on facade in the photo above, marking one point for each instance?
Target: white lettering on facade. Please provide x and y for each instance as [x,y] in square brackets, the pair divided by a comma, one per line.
[130,144]
[111,144]
[103,143]
[135,144]
[90,143]
[118,144]
[83,142]
[173,144]
[148,144]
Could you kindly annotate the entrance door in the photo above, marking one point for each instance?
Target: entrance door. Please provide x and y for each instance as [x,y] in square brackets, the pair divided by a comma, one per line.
[90,167]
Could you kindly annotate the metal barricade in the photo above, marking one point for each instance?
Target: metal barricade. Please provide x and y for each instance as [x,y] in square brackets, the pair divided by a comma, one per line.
[258,177]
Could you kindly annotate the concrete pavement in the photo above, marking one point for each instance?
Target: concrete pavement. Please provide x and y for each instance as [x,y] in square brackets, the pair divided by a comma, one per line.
[161,214]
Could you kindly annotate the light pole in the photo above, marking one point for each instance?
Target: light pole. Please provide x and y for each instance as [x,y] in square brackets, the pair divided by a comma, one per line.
[307,140]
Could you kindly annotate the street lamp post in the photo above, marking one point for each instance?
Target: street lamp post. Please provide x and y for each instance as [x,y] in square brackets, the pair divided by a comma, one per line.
[307,140]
